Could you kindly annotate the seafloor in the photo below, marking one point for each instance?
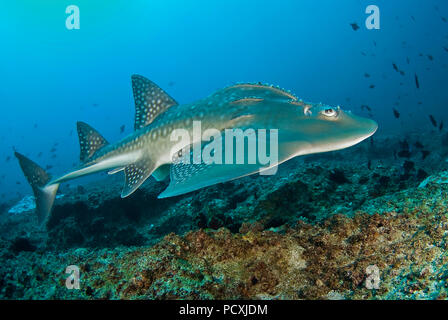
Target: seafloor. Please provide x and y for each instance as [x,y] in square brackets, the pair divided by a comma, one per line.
[316,230]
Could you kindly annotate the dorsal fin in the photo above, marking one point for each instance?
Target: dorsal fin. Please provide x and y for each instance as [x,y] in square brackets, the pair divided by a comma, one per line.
[90,140]
[150,101]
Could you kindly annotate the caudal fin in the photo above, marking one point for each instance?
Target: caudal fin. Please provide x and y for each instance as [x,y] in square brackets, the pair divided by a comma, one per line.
[38,179]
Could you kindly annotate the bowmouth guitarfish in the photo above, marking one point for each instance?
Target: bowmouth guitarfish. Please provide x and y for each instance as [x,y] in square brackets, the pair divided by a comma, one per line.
[300,128]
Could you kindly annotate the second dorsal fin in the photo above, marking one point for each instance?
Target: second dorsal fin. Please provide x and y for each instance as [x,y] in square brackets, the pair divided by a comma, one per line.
[90,140]
[150,101]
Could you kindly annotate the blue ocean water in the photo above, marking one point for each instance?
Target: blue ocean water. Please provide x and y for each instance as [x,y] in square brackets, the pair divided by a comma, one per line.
[52,76]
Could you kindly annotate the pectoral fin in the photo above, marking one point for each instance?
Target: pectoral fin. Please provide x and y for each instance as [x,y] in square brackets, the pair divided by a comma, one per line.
[187,176]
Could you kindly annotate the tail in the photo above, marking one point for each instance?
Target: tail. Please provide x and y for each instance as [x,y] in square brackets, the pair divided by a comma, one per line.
[38,179]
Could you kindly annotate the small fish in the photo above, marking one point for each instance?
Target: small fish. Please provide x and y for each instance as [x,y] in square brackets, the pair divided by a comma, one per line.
[395,67]
[430,57]
[443,19]
[35,126]
[396,113]
[149,149]
[369,164]
[372,86]
[433,120]
[407,60]
[402,73]
[354,26]
[8,158]
[417,84]
[446,49]
[366,75]
[425,154]
[122,128]
[441,125]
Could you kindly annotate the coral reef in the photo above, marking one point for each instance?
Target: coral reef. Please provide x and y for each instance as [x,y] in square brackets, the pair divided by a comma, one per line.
[315,230]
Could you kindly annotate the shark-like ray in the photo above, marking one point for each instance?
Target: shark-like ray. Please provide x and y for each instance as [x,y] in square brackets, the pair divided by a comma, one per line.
[300,128]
